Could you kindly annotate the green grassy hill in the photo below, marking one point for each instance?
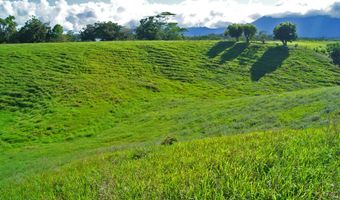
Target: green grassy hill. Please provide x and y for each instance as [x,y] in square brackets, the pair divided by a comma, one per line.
[69,101]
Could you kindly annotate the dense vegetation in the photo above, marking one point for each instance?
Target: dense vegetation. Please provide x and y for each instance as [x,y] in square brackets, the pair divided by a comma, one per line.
[155,27]
[62,102]
[105,31]
[334,52]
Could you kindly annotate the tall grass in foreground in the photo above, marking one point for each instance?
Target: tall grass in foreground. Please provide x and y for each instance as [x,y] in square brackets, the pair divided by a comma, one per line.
[294,164]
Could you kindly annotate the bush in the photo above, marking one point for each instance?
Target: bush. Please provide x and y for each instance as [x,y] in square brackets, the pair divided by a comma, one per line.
[320,49]
[169,141]
[334,53]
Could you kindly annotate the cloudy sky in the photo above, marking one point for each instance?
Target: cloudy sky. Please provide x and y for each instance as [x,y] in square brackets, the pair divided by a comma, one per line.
[74,14]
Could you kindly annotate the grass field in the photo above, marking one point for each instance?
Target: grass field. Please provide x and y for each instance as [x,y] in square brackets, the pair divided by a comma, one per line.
[70,102]
[268,165]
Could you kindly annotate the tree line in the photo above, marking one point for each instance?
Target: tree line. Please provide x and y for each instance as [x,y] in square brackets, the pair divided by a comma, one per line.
[155,27]
[285,32]
[33,31]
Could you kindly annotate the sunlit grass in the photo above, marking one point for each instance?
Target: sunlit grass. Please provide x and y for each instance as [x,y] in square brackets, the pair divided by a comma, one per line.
[63,102]
[267,165]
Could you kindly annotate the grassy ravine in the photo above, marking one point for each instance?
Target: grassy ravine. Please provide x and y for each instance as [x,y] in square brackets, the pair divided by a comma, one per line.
[267,165]
[59,92]
[65,102]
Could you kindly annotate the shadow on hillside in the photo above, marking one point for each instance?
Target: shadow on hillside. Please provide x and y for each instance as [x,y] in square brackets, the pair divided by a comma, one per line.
[233,52]
[219,48]
[269,62]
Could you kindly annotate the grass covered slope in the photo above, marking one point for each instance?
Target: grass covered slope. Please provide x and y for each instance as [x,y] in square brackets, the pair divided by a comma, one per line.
[184,120]
[62,91]
[268,165]
[61,102]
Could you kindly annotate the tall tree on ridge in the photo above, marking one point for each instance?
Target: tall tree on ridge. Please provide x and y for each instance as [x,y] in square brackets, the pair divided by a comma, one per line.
[285,32]
[235,31]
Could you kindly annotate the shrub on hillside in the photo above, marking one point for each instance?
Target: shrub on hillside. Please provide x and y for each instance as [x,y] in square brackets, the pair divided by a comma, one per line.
[320,49]
[169,141]
[334,53]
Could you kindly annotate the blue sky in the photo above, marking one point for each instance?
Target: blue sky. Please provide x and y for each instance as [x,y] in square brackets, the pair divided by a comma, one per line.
[75,14]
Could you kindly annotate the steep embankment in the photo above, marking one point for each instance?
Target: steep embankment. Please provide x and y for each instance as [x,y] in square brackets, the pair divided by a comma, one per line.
[62,101]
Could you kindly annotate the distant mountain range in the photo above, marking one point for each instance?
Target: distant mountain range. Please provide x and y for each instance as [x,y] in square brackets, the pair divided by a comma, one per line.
[319,26]
[307,26]
[201,31]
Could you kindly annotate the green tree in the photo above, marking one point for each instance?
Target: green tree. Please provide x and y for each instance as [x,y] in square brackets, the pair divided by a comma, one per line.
[149,28]
[263,37]
[249,31]
[108,31]
[33,31]
[88,33]
[7,29]
[235,31]
[158,28]
[105,31]
[56,34]
[285,32]
[335,55]
[334,52]
[173,32]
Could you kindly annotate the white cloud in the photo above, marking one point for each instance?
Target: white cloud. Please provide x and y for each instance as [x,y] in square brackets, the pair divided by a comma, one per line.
[190,12]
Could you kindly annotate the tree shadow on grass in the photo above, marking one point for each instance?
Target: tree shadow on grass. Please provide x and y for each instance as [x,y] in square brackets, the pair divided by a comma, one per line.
[269,62]
[233,52]
[219,48]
